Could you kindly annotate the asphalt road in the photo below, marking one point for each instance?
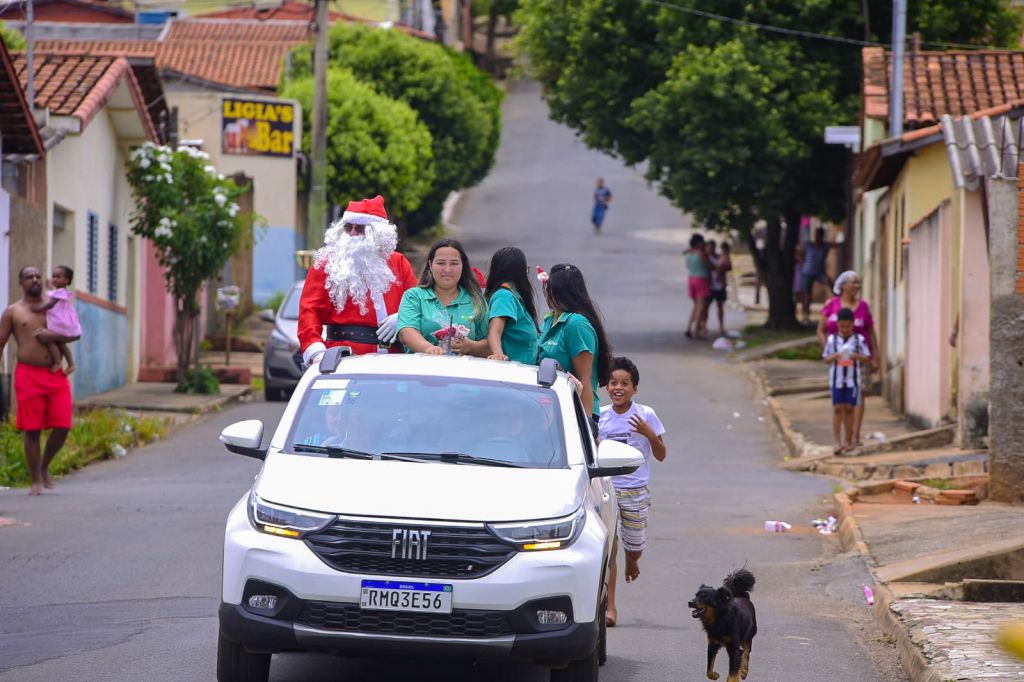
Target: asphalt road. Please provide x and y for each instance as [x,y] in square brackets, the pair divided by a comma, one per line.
[116,575]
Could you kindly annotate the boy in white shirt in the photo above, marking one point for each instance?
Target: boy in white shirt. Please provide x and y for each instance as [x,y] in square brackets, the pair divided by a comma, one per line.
[629,422]
[844,352]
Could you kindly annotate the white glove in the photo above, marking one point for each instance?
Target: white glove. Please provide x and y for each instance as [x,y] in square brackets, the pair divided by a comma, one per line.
[313,353]
[387,332]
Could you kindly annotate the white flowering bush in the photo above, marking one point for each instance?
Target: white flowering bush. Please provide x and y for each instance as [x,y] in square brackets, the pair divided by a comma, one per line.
[189,212]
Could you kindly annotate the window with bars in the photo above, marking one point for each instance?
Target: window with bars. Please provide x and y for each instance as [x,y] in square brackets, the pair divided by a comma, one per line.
[112,263]
[93,252]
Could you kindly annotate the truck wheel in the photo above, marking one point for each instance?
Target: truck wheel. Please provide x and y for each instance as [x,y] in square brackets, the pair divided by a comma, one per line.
[602,638]
[583,670]
[235,664]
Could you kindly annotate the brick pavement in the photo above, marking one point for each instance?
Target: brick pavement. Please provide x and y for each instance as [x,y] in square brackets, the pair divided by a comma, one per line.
[959,638]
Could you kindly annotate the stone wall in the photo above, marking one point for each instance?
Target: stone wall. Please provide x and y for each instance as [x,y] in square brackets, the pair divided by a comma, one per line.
[1006,426]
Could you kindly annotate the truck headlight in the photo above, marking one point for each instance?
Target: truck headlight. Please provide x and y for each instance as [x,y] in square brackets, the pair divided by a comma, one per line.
[535,536]
[288,522]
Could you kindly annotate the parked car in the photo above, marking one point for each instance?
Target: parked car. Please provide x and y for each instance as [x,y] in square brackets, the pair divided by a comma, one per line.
[282,359]
[414,504]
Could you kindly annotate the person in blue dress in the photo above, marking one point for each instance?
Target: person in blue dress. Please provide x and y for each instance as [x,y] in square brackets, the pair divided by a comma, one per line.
[573,334]
[512,331]
[602,198]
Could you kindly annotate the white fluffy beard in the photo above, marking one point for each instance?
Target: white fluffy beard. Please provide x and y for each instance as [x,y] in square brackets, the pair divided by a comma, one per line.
[357,265]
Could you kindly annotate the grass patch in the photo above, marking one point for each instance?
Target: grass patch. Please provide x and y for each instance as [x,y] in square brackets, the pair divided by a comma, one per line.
[758,335]
[257,383]
[939,484]
[810,351]
[93,435]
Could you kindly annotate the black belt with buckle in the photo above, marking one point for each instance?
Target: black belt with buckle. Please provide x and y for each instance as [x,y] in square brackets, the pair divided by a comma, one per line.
[352,333]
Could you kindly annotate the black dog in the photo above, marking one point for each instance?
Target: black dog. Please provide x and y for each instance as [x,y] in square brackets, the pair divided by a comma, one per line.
[727,615]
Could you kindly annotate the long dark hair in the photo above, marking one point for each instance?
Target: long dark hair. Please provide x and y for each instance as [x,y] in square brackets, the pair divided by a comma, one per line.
[567,291]
[508,266]
[467,280]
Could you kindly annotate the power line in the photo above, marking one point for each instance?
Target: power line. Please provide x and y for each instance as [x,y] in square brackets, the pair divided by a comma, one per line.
[799,33]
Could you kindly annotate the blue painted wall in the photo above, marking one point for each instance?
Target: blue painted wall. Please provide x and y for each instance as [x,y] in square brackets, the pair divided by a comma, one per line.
[102,352]
[273,263]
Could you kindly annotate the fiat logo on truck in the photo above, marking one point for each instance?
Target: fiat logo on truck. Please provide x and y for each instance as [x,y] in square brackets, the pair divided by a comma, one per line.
[409,544]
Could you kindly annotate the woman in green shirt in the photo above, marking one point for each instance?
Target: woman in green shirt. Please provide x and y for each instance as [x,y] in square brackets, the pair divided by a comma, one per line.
[573,334]
[448,294]
[512,332]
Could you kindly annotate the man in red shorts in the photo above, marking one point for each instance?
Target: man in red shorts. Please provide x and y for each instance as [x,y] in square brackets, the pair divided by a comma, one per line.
[43,397]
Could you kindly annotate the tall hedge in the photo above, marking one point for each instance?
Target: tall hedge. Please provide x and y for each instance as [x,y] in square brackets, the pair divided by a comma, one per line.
[374,143]
[458,104]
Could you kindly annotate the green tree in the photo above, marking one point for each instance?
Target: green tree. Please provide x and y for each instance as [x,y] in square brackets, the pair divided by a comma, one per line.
[729,118]
[188,211]
[463,125]
[12,38]
[374,143]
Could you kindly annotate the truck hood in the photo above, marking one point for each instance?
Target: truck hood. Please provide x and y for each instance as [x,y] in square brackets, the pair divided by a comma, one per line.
[447,492]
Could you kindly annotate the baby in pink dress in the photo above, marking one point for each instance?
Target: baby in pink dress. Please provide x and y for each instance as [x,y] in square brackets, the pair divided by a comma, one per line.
[62,325]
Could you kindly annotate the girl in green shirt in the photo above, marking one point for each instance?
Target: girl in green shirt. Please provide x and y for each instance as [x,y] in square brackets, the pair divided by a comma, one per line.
[573,334]
[512,333]
[448,294]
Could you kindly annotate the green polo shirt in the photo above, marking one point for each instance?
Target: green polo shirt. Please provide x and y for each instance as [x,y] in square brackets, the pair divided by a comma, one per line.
[565,338]
[423,311]
[519,338]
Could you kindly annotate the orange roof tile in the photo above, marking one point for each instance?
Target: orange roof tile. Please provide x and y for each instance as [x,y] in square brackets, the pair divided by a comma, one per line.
[79,85]
[234,64]
[286,11]
[251,31]
[937,83]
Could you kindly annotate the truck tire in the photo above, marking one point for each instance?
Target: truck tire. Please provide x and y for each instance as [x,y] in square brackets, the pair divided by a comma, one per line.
[235,664]
[583,670]
[602,638]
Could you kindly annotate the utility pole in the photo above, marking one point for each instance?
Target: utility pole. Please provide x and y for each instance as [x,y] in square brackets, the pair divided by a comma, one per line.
[899,42]
[317,218]
[29,57]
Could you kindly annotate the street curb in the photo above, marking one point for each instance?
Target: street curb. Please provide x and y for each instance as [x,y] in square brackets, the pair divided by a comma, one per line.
[913,660]
[802,453]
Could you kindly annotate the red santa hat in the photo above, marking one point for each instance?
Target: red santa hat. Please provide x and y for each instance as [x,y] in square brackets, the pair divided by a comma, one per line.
[365,212]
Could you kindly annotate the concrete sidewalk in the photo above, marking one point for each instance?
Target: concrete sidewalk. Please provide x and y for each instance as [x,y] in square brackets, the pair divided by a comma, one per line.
[154,397]
[943,575]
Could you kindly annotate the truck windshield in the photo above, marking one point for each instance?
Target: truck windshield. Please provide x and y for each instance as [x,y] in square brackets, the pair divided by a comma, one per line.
[501,422]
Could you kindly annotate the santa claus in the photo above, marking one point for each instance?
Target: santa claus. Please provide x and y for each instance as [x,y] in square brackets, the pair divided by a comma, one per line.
[352,292]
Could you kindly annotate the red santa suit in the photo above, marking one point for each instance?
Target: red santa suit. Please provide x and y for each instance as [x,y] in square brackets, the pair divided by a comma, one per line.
[336,274]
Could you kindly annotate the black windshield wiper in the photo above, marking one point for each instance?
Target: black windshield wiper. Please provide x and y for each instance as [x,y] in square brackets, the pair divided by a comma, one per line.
[333,451]
[455,458]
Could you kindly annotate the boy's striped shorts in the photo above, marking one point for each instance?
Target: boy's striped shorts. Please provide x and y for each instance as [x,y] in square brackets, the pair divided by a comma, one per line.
[633,506]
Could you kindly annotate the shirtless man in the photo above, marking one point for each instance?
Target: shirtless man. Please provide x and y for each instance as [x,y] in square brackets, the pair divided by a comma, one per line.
[43,397]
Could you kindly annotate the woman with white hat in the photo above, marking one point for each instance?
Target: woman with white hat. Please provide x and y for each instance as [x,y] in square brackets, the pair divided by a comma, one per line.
[847,295]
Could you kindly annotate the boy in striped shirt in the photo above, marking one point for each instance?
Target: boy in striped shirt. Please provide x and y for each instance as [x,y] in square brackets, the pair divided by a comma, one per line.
[843,354]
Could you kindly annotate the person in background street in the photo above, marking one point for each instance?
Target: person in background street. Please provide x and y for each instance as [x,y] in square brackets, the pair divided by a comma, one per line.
[721,265]
[353,290]
[448,294]
[43,397]
[847,295]
[512,331]
[699,286]
[798,277]
[573,334]
[812,269]
[62,325]
[602,198]
[844,352]
[629,422]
